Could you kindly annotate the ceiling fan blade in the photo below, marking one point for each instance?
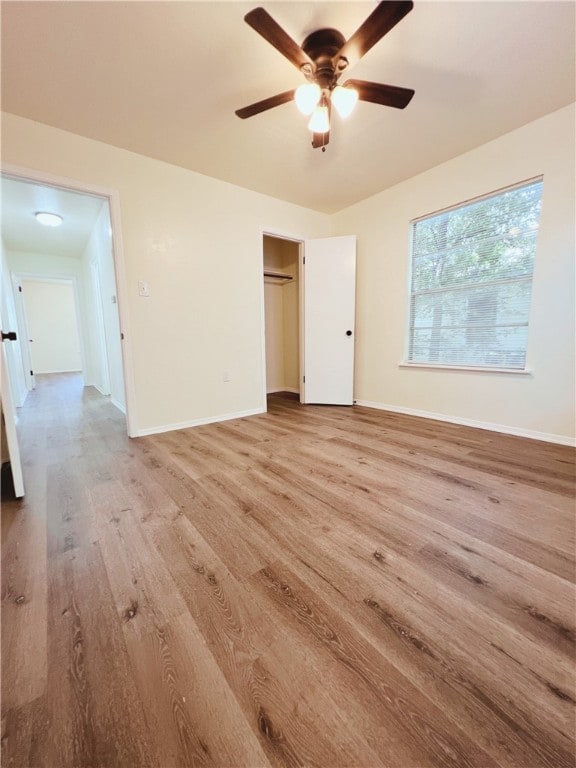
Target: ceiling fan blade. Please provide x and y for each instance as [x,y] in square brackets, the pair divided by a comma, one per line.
[320,139]
[382,19]
[261,21]
[262,106]
[378,93]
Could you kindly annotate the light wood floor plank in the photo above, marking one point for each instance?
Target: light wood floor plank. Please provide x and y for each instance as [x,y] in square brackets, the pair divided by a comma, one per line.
[193,716]
[313,586]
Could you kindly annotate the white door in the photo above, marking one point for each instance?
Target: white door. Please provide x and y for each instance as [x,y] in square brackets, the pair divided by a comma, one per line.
[329,273]
[8,413]
[25,339]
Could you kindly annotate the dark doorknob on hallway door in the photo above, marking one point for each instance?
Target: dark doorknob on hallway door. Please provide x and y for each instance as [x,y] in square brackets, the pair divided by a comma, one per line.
[348,333]
[10,336]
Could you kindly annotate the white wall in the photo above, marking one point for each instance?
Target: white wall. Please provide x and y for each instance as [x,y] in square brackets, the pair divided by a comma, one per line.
[102,311]
[197,242]
[109,297]
[96,362]
[52,323]
[540,403]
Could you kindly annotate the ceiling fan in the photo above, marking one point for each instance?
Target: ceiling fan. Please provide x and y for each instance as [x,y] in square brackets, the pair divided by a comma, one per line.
[323,57]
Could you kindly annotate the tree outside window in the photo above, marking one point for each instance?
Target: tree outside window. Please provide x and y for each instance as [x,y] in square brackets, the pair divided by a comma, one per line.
[471,281]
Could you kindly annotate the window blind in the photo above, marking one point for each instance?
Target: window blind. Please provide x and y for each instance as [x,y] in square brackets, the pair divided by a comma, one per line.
[471,280]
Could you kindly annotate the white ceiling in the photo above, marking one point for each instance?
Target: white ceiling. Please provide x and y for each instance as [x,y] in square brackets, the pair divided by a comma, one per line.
[22,232]
[164,78]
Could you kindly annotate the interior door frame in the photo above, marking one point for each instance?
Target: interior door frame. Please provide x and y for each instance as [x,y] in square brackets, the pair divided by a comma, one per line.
[112,196]
[301,241]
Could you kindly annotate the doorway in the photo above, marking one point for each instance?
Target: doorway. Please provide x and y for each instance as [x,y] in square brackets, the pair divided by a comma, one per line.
[282,293]
[85,255]
[49,260]
[52,323]
[309,317]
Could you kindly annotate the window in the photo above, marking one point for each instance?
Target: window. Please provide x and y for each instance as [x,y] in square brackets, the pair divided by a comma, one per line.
[472,280]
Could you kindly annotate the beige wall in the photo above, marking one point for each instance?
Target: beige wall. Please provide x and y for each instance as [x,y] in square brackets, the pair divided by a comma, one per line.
[197,242]
[274,321]
[542,402]
[52,323]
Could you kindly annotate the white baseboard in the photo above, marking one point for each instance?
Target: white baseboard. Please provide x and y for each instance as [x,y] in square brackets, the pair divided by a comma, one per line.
[197,422]
[503,428]
[293,390]
[60,370]
[118,405]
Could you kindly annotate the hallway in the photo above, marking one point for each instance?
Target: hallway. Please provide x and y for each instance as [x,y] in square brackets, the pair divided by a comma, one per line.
[312,586]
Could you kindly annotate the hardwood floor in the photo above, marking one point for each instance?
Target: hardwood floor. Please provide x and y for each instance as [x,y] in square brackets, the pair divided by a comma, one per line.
[314,586]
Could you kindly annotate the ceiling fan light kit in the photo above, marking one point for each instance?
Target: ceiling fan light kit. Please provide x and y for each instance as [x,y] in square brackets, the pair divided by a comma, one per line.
[320,120]
[307,97]
[344,99]
[324,55]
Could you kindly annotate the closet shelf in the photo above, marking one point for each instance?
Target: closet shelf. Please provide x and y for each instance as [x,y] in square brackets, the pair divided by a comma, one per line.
[283,276]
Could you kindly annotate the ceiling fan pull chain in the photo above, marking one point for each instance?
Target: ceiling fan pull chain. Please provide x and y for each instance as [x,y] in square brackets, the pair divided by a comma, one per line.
[323,142]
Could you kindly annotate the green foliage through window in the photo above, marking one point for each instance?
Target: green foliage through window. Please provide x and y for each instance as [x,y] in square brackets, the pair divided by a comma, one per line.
[471,281]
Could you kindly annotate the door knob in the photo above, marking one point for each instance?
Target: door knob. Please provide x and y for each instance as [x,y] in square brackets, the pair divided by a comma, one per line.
[10,336]
[348,333]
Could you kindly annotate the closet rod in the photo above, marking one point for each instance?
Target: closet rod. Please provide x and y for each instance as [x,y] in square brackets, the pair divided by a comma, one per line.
[278,275]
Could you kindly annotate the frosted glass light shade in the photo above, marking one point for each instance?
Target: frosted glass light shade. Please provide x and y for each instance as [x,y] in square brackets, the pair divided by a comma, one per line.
[49,219]
[320,120]
[344,100]
[307,97]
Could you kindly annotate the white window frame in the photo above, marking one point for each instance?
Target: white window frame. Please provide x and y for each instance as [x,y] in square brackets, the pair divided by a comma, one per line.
[406,362]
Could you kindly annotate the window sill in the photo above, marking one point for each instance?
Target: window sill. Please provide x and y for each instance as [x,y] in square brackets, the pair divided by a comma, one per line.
[475,369]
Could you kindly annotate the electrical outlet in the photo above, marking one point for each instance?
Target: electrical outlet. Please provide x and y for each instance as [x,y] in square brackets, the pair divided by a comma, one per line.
[226,376]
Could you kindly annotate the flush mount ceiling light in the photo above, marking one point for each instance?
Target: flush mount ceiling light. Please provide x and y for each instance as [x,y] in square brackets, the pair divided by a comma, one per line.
[322,58]
[49,219]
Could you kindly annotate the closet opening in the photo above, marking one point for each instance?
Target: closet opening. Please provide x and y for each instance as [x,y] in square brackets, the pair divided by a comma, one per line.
[282,258]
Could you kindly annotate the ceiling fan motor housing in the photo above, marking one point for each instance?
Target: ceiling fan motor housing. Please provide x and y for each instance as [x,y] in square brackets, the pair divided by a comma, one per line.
[322,47]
